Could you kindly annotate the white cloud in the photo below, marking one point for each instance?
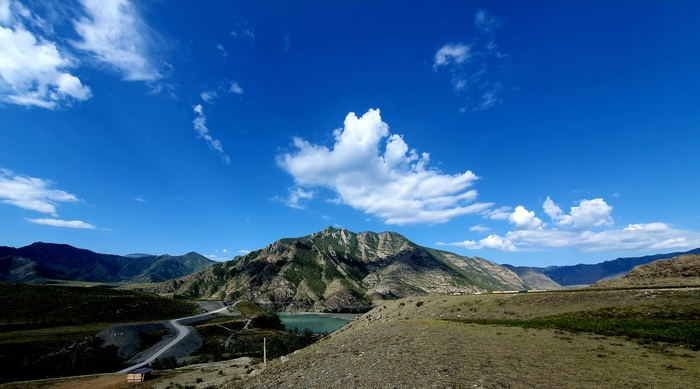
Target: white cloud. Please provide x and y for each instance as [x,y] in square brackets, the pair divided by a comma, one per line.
[479,228]
[451,53]
[297,196]
[200,125]
[476,70]
[497,243]
[524,219]
[5,12]
[31,193]
[63,223]
[634,237]
[116,35]
[586,228]
[209,96]
[235,88]
[589,213]
[393,183]
[492,241]
[501,213]
[34,73]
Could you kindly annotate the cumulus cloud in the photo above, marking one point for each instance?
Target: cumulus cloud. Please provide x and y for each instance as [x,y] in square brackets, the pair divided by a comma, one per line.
[586,228]
[63,223]
[114,33]
[33,72]
[31,193]
[200,125]
[385,179]
[476,70]
[524,219]
[589,213]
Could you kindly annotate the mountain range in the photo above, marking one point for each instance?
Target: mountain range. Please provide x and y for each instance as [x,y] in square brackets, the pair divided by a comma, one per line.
[338,270]
[586,274]
[41,262]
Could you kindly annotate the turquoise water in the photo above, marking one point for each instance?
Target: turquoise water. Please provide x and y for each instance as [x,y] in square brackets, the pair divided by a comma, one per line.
[314,322]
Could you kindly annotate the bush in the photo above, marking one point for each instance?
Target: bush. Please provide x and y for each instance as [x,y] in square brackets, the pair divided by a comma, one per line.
[269,320]
[165,363]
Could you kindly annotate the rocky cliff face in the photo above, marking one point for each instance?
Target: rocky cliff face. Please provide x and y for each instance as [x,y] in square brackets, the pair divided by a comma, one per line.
[337,270]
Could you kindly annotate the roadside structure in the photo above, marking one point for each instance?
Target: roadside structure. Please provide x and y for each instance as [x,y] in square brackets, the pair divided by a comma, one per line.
[139,375]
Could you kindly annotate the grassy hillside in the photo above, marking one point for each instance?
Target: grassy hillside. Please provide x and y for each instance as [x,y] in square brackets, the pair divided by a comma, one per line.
[49,331]
[525,340]
[683,270]
[581,339]
[41,306]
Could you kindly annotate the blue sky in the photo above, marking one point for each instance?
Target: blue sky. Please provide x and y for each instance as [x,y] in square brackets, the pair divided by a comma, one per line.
[531,133]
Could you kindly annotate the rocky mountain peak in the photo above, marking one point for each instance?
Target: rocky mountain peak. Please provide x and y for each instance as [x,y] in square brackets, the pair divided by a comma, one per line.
[338,270]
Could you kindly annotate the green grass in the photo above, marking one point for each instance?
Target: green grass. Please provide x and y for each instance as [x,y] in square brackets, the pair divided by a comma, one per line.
[42,306]
[674,321]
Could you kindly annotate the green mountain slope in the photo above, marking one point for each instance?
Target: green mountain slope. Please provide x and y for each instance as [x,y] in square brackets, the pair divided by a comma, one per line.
[338,270]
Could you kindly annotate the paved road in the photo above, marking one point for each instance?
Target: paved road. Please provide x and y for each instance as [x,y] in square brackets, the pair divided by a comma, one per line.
[181,330]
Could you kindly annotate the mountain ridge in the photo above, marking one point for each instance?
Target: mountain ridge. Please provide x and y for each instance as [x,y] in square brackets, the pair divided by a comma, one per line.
[338,270]
[40,261]
[586,274]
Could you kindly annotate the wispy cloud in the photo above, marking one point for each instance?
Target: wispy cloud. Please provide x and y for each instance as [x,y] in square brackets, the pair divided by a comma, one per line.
[393,182]
[115,34]
[243,30]
[63,223]
[298,197]
[235,88]
[31,193]
[451,53]
[475,69]
[34,71]
[209,96]
[221,48]
[587,227]
[486,23]
[200,125]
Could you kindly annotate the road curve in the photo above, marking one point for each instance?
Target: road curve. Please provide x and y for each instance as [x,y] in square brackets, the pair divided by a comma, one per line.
[181,330]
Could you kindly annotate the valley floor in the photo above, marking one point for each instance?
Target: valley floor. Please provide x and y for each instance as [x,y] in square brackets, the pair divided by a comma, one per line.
[429,342]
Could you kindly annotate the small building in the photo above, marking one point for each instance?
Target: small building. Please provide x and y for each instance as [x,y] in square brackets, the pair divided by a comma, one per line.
[139,375]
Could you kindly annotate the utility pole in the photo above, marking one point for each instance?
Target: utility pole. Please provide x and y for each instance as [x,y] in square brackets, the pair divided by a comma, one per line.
[265,352]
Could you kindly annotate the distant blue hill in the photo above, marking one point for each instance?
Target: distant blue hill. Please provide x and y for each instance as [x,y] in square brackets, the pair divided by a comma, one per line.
[41,262]
[587,274]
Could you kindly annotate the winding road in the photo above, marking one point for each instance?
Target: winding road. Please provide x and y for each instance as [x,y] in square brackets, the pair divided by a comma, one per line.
[181,330]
